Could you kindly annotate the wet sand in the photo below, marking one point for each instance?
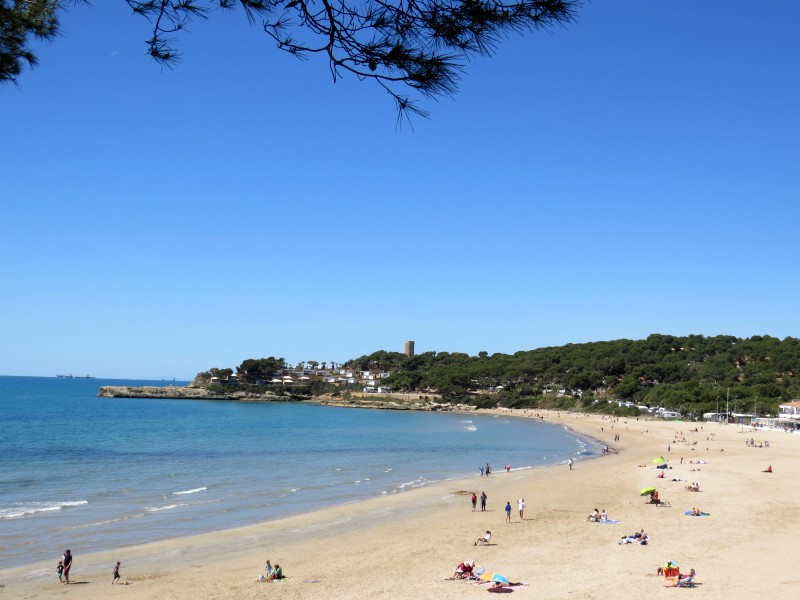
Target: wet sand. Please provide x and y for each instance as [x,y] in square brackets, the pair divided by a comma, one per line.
[407,545]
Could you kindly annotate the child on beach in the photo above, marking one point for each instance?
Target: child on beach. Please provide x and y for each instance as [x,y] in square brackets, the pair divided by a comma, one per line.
[508,511]
[116,573]
[60,570]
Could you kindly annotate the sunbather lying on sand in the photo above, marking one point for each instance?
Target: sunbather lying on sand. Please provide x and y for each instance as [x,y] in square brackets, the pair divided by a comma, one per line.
[640,537]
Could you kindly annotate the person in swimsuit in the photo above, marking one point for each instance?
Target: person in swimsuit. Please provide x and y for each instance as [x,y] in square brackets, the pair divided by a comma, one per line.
[67,560]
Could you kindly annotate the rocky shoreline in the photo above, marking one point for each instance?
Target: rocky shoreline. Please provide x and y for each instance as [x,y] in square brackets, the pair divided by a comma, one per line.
[392,403]
[355,401]
[182,393]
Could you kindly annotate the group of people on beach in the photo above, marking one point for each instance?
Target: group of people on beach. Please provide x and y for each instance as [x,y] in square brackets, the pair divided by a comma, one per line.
[64,566]
[639,537]
[483,499]
[751,443]
[272,573]
[597,516]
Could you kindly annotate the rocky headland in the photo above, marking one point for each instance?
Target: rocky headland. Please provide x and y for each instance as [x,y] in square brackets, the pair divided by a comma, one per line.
[373,401]
[183,393]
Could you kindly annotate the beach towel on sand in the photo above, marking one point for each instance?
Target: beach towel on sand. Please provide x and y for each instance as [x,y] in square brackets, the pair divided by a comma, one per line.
[609,522]
[690,513]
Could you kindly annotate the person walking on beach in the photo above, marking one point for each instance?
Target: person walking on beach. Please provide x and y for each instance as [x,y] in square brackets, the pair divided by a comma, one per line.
[508,511]
[60,571]
[570,464]
[483,501]
[67,560]
[521,505]
[116,573]
[474,501]
[481,470]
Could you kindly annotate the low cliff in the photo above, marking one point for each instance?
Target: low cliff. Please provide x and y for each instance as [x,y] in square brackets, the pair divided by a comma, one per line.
[391,403]
[181,393]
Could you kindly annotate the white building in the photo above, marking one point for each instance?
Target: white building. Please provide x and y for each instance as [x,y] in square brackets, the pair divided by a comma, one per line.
[789,414]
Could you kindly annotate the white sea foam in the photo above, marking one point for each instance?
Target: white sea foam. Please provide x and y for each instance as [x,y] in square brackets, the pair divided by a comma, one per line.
[30,508]
[160,508]
[232,469]
[193,491]
[471,428]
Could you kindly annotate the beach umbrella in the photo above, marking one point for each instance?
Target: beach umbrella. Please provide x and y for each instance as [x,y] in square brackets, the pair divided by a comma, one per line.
[647,491]
[659,460]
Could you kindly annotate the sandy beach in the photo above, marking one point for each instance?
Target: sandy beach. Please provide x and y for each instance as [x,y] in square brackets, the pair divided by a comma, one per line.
[407,545]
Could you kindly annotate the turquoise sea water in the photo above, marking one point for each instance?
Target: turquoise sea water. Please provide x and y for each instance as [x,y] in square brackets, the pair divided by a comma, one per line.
[95,473]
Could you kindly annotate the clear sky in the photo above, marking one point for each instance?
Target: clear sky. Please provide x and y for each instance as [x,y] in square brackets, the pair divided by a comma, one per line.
[633,173]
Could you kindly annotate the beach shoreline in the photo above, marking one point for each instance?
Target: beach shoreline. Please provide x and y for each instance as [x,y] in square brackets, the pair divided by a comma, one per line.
[426,531]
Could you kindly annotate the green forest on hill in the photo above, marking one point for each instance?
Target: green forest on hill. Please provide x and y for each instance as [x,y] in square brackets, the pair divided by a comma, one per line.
[691,374]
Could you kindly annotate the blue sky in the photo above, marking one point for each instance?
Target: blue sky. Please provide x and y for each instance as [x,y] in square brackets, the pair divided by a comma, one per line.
[635,172]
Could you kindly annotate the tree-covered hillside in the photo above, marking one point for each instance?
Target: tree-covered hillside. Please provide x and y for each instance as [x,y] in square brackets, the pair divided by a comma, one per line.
[692,374]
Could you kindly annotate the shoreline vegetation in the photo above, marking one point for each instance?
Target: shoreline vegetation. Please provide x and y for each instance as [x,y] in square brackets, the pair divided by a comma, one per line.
[688,375]
[407,545]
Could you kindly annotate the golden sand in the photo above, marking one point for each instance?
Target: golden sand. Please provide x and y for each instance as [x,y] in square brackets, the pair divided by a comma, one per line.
[407,545]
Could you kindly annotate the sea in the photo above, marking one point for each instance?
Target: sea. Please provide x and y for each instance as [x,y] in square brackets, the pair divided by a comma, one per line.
[94,474]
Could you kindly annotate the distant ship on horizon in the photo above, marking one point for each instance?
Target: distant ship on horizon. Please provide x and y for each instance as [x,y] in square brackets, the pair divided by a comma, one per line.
[71,376]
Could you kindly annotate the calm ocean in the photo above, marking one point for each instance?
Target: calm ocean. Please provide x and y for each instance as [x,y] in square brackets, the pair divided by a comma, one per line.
[97,473]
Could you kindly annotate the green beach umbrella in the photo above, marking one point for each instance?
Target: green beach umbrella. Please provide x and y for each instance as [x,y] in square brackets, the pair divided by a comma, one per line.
[659,460]
[647,491]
